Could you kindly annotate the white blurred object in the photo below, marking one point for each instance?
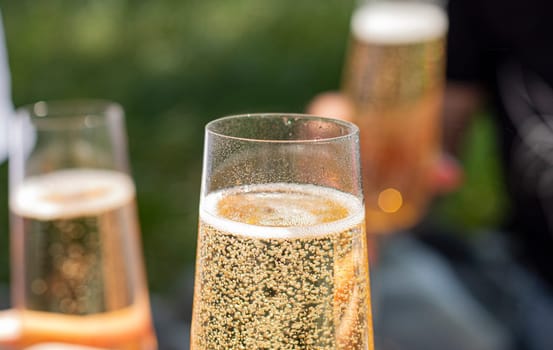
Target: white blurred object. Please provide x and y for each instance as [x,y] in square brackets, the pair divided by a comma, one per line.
[6,105]
[10,328]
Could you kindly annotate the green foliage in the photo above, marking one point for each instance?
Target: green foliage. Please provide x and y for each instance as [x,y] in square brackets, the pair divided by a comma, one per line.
[173,65]
[481,201]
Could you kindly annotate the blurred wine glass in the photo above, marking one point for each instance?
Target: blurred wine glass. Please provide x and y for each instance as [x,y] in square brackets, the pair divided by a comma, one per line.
[394,82]
[77,267]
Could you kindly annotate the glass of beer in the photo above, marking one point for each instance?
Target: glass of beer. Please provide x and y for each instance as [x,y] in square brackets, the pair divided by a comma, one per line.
[281,256]
[77,268]
[394,80]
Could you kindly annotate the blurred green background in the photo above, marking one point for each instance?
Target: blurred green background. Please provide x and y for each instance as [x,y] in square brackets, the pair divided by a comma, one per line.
[176,64]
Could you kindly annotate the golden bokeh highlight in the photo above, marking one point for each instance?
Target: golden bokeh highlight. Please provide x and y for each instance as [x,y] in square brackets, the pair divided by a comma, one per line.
[390,200]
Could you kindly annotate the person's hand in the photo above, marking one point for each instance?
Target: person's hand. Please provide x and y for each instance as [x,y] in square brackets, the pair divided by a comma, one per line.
[446,174]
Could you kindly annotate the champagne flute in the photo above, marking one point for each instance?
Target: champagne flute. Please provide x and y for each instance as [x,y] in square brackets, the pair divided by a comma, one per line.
[77,267]
[281,256]
[394,80]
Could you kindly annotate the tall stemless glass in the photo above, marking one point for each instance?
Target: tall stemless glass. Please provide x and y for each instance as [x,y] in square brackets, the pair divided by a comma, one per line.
[77,267]
[281,257]
[394,79]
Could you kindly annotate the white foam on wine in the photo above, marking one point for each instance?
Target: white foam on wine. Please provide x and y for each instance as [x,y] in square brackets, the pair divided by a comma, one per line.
[398,22]
[71,193]
[209,213]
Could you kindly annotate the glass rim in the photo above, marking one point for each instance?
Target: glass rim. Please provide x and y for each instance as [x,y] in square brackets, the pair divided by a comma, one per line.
[350,127]
[69,113]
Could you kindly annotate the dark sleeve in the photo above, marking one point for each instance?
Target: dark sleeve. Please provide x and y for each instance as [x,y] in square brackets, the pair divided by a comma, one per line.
[464,56]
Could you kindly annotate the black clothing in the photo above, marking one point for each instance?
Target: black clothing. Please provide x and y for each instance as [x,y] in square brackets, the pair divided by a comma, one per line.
[507,47]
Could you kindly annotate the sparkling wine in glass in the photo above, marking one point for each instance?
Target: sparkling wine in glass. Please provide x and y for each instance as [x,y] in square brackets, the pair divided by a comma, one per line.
[77,268]
[281,256]
[394,79]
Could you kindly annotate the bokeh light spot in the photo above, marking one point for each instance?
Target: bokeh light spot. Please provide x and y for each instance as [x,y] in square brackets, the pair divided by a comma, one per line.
[390,200]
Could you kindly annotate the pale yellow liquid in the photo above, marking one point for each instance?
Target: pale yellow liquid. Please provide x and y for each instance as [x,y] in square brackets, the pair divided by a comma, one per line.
[79,274]
[394,78]
[281,267]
